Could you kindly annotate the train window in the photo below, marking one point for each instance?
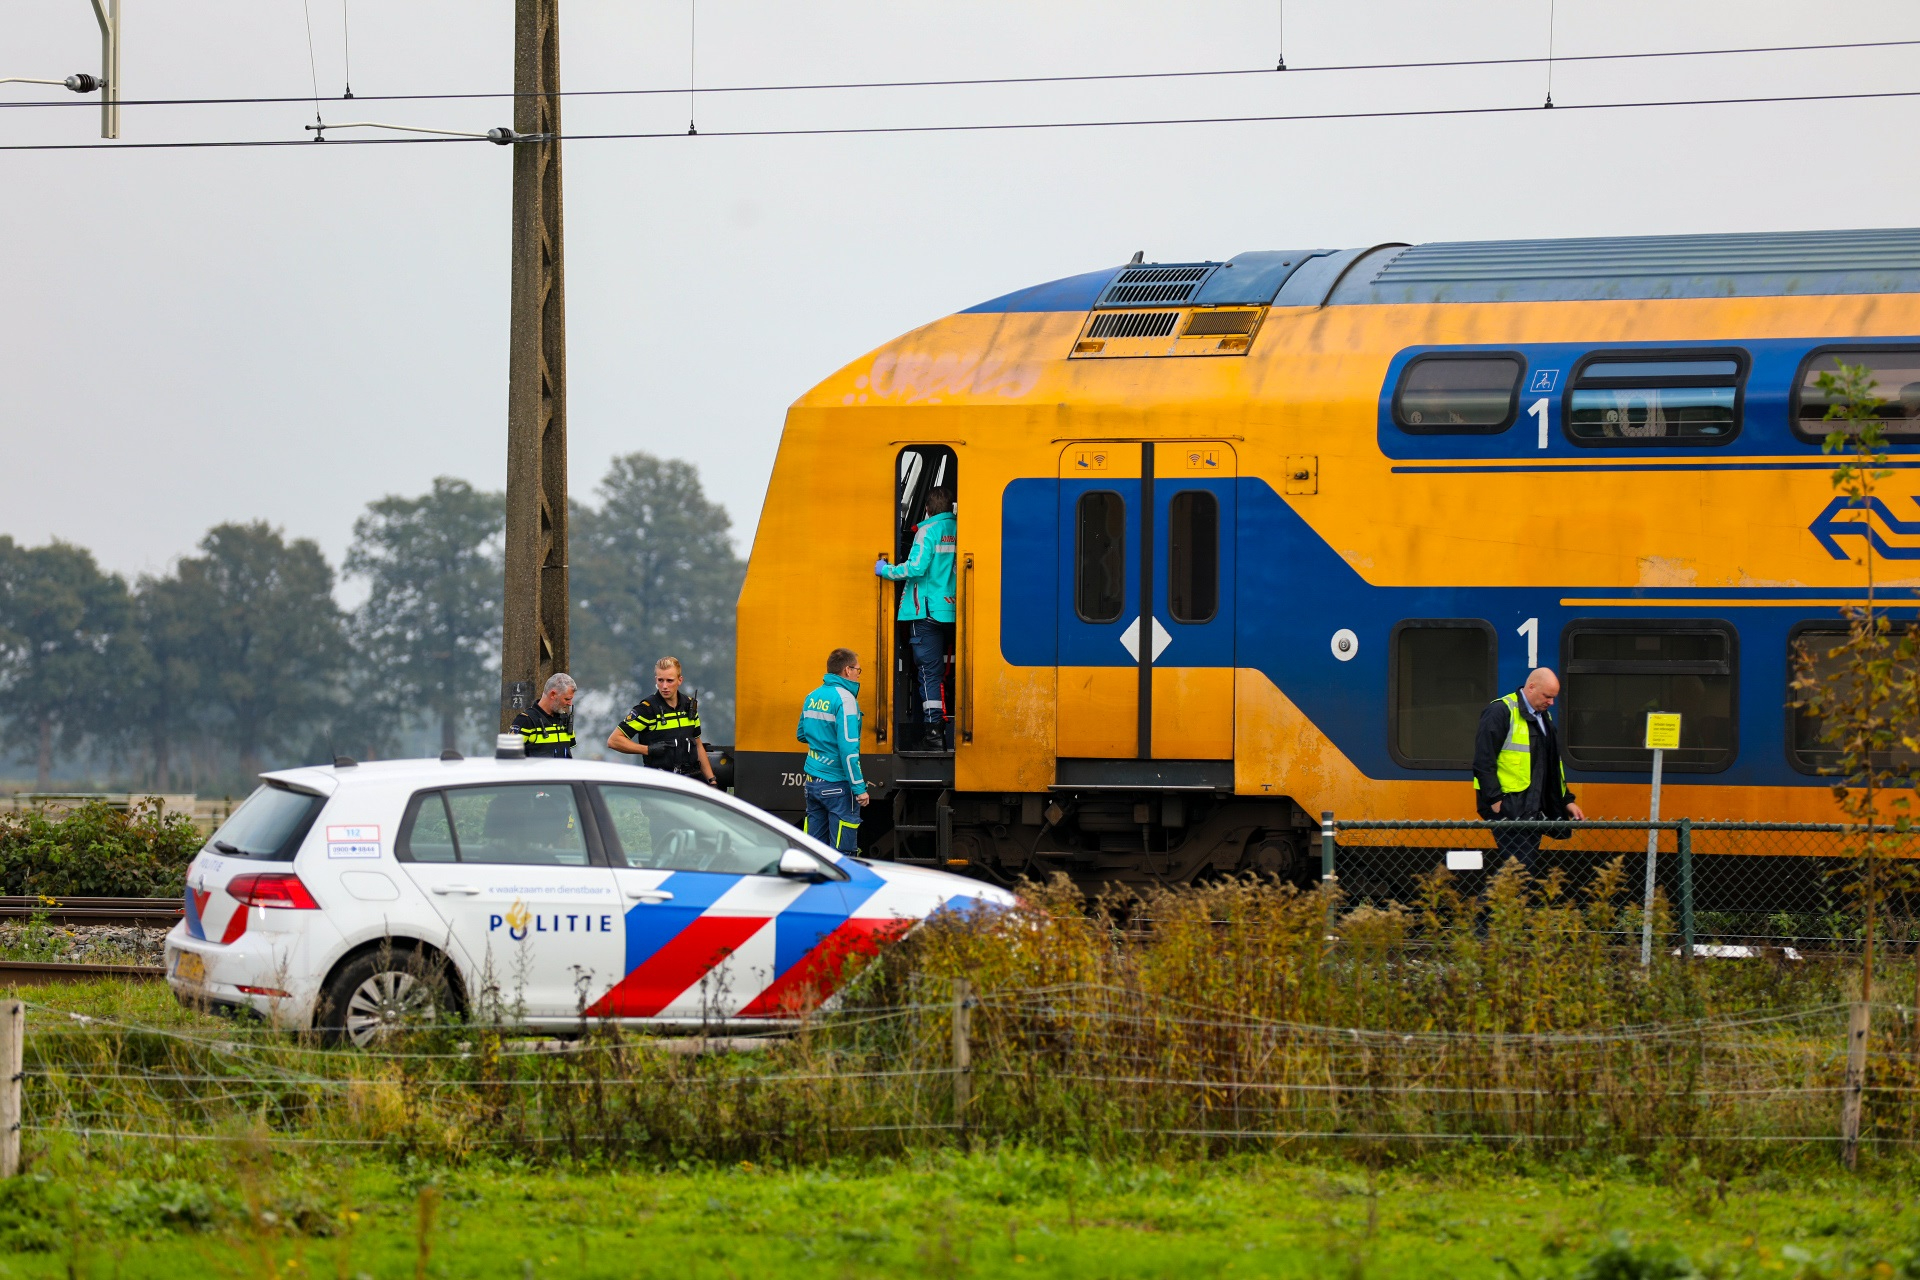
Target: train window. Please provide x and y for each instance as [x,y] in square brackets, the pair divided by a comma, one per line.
[1193,556]
[1100,556]
[1616,672]
[1656,397]
[1440,676]
[1896,378]
[1809,648]
[1458,394]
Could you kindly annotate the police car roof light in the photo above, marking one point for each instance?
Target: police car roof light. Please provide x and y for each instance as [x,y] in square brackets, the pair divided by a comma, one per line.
[344,762]
[510,746]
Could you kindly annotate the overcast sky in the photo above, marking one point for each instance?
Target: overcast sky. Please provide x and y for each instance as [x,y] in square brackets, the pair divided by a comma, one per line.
[188,337]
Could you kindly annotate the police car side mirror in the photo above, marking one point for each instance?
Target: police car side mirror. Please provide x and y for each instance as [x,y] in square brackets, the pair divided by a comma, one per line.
[798,864]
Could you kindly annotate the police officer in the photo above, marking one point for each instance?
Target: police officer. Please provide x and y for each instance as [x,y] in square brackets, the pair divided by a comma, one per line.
[830,726]
[664,730]
[1517,770]
[547,725]
[926,603]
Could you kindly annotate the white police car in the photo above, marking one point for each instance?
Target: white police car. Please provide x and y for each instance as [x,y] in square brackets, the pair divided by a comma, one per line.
[362,897]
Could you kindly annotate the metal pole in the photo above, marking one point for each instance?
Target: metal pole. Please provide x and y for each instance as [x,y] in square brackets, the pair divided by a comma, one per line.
[1685,839]
[1329,878]
[107,14]
[534,641]
[13,1037]
[1653,852]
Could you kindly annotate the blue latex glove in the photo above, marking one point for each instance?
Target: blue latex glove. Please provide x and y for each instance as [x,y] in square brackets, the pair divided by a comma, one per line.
[879,566]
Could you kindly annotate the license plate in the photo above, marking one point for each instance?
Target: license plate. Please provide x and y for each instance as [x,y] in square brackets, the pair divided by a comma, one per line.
[190,967]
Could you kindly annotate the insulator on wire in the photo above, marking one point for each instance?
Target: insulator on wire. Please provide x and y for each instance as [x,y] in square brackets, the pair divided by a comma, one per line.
[81,82]
[502,136]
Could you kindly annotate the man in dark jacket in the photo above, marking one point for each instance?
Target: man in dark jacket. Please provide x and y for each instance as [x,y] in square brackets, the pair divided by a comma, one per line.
[1517,770]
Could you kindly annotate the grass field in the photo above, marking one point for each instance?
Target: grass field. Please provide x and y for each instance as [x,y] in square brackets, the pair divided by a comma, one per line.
[1008,1212]
[1518,1101]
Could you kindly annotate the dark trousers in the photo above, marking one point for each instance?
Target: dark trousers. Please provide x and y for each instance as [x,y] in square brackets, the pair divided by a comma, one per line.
[928,640]
[833,816]
[1522,846]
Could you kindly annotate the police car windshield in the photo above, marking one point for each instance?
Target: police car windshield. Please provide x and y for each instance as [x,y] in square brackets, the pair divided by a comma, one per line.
[269,825]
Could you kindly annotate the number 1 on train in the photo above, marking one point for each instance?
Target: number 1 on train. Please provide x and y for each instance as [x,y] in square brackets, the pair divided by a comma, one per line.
[1538,409]
[1531,630]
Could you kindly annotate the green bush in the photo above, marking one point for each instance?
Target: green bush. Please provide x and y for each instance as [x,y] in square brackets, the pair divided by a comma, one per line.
[97,851]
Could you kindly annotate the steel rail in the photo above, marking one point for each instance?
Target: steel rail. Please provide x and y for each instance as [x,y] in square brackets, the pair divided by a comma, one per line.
[40,973]
[91,910]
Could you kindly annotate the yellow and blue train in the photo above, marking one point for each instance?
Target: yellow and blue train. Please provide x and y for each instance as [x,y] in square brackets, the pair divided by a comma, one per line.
[1243,541]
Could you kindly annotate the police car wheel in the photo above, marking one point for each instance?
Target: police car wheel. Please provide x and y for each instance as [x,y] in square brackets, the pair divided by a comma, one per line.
[380,995]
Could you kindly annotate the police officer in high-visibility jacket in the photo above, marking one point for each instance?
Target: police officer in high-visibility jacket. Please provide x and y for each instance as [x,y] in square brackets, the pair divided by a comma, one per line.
[664,730]
[926,602]
[830,726]
[547,726]
[1517,770]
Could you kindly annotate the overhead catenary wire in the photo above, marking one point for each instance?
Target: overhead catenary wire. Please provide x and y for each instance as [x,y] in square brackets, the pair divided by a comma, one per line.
[966,82]
[1006,126]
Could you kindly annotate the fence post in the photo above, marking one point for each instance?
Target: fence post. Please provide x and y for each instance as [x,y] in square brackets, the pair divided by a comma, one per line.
[962,1050]
[1329,878]
[1685,842]
[13,1037]
[1850,1098]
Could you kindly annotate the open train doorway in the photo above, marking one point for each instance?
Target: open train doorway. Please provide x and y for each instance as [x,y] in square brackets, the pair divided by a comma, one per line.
[919,712]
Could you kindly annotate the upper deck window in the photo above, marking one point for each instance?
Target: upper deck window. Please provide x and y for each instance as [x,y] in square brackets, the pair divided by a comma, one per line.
[1656,397]
[1474,394]
[1896,381]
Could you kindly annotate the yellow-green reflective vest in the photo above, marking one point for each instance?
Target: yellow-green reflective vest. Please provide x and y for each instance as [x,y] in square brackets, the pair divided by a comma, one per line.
[1515,770]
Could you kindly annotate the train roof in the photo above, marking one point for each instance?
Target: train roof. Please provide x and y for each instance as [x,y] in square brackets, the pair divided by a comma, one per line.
[1746,264]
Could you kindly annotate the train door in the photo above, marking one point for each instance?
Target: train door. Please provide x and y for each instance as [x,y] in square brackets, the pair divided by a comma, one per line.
[1193,574]
[1155,682]
[920,469]
[1098,699]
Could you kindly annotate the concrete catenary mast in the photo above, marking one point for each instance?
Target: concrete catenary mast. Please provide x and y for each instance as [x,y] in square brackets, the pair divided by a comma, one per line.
[535,632]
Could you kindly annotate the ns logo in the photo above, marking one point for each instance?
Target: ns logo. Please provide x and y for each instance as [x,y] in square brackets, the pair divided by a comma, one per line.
[1868,519]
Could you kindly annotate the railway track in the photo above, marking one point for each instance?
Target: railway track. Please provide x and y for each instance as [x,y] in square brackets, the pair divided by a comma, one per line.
[40,973]
[79,910]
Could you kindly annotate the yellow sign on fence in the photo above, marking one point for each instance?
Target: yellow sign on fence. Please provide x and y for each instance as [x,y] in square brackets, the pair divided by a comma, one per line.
[1663,730]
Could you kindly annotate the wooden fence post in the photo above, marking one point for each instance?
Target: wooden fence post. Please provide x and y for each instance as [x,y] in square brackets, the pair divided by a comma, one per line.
[962,1050]
[1850,1098]
[13,1036]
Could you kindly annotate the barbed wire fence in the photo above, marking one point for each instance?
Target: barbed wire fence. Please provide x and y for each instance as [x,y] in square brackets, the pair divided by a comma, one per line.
[1086,1066]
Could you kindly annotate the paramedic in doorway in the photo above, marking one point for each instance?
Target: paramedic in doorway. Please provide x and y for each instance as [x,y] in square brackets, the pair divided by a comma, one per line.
[1517,770]
[830,726]
[926,603]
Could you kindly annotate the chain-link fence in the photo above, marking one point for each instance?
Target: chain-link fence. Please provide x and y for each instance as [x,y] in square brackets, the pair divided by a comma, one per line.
[1710,884]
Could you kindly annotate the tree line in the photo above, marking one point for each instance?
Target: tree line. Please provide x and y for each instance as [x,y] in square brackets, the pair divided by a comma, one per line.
[241,658]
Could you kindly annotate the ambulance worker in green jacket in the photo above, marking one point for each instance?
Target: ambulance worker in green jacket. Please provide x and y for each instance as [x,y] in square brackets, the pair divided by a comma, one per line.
[926,602]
